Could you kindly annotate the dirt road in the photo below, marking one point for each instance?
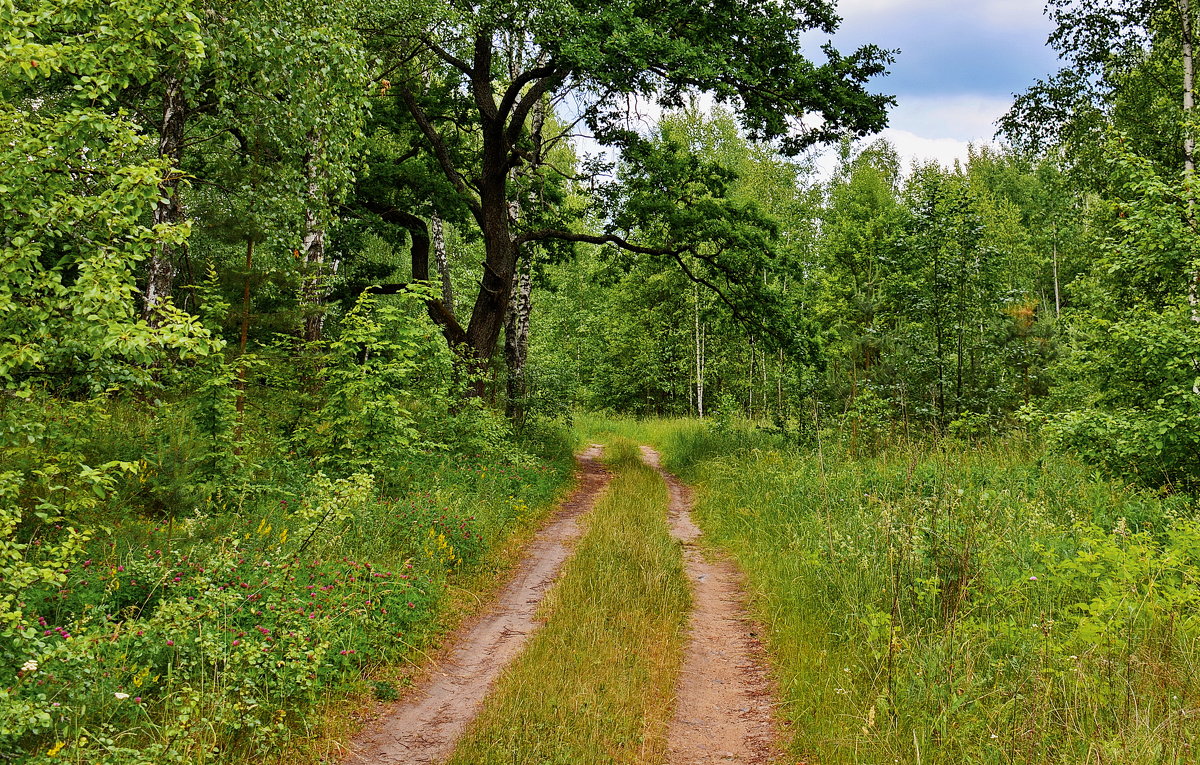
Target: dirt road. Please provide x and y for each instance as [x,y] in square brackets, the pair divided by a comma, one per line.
[724,697]
[426,724]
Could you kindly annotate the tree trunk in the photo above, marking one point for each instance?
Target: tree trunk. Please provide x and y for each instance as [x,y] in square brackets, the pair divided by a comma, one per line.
[501,125]
[750,383]
[169,211]
[245,336]
[1057,293]
[1189,162]
[516,327]
[312,288]
[516,343]
[443,263]
[699,352]
[312,295]
[1189,91]
[500,258]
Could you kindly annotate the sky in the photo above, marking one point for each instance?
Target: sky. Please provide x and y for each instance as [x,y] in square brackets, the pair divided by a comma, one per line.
[960,63]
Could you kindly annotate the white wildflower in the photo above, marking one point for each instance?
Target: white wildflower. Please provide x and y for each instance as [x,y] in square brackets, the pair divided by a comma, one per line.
[120,695]
[29,666]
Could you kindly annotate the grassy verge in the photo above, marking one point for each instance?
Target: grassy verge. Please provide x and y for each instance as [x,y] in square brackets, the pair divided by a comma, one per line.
[595,685]
[210,622]
[467,590]
[962,603]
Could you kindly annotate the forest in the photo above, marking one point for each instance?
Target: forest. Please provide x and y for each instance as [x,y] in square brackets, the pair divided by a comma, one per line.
[306,310]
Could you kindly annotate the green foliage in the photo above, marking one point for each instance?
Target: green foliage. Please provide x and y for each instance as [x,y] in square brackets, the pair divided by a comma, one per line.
[1130,401]
[227,619]
[379,371]
[1122,68]
[77,189]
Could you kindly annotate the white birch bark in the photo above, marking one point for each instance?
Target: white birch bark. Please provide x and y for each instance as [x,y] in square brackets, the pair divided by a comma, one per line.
[442,261]
[313,285]
[1189,160]
[169,211]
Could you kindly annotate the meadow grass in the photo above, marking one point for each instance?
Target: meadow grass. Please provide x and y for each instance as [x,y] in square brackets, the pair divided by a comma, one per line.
[656,432]
[595,685]
[960,603]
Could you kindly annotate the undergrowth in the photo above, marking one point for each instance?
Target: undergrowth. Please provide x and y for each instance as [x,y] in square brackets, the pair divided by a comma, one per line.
[178,585]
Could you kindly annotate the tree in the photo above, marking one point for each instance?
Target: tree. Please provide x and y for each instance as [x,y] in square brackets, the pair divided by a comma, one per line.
[78,189]
[1129,401]
[1128,65]
[860,227]
[470,78]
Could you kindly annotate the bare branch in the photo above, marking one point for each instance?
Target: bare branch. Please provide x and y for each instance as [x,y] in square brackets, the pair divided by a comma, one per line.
[447,56]
[439,150]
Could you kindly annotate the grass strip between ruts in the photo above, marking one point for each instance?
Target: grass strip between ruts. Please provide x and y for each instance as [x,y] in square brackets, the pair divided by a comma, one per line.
[596,683]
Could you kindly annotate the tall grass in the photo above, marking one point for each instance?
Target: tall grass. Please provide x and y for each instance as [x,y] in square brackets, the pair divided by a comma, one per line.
[656,432]
[959,603]
[595,685]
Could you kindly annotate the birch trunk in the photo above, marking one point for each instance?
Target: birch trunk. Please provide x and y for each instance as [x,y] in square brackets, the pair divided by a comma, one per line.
[1189,93]
[169,211]
[242,341]
[312,296]
[520,305]
[699,352]
[443,263]
[516,342]
[1189,160]
[1057,293]
[313,286]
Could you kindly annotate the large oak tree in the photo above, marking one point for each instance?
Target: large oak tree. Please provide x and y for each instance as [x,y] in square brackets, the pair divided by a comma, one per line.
[469,76]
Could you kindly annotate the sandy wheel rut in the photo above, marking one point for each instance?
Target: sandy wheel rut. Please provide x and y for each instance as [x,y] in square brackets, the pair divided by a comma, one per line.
[724,694]
[425,726]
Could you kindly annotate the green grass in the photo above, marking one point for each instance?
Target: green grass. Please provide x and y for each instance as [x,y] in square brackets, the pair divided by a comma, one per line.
[655,432]
[595,684]
[962,604]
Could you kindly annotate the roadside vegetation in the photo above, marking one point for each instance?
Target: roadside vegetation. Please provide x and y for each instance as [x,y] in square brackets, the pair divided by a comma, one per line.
[959,601]
[181,619]
[301,302]
[596,683]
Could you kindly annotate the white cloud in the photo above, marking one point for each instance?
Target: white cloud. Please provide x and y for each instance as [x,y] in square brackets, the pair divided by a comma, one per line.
[961,117]
[916,148]
[912,148]
[940,128]
[1007,14]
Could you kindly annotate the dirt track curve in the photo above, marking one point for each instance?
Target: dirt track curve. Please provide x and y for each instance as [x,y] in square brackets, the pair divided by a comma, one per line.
[723,712]
[425,725]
